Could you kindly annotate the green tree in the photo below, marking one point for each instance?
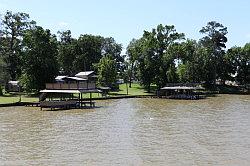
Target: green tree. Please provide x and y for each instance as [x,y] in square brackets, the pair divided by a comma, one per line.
[244,67]
[66,53]
[14,27]
[107,71]
[39,58]
[240,63]
[154,56]
[81,54]
[88,52]
[193,62]
[133,52]
[4,75]
[215,42]
[3,71]
[110,47]
[167,41]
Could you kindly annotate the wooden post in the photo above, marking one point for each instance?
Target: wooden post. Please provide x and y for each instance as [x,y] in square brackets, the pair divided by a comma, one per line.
[90,99]
[81,100]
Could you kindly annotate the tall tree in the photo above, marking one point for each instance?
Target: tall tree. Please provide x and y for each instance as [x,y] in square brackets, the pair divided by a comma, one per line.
[107,71]
[215,42]
[14,26]
[133,52]
[155,56]
[88,52]
[167,40]
[193,67]
[39,58]
[110,47]
[66,52]
[4,75]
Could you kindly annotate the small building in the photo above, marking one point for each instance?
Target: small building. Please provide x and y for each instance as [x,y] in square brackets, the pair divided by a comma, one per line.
[13,86]
[62,93]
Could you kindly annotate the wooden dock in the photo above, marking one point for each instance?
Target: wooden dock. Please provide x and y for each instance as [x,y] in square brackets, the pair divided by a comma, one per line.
[65,104]
[184,97]
[58,104]
[32,104]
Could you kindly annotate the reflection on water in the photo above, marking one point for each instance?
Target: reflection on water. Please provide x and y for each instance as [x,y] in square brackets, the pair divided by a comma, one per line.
[214,131]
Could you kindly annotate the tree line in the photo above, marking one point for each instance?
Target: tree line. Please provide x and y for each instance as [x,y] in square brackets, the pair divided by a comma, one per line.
[163,56]
[34,56]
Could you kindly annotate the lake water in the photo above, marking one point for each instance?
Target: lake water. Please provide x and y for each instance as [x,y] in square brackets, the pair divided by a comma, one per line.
[213,131]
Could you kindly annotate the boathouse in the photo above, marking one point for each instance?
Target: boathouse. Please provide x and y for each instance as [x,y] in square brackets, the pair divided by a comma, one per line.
[182,91]
[67,92]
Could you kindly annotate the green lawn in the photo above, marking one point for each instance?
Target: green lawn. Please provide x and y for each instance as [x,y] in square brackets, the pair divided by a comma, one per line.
[16,98]
[135,89]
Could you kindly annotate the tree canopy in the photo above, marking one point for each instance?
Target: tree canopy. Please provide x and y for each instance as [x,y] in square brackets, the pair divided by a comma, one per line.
[33,55]
[39,58]
[14,27]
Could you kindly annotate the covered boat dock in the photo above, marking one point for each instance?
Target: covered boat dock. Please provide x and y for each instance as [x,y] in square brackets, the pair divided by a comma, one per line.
[67,92]
[182,92]
[66,99]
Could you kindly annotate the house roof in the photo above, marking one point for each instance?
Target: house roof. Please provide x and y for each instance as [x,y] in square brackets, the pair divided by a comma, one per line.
[60,77]
[84,73]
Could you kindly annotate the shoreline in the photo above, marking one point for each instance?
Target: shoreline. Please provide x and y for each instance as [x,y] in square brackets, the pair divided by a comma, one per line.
[114,97]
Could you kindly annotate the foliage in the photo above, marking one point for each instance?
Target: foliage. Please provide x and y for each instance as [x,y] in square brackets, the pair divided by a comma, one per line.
[3,71]
[39,58]
[81,54]
[240,63]
[215,42]
[154,55]
[14,27]
[107,71]
[66,53]
[160,56]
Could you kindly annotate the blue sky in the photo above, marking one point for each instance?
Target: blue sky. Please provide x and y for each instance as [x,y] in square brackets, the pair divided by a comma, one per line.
[125,20]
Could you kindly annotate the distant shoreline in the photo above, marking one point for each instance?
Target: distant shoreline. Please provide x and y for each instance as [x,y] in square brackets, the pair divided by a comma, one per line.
[119,97]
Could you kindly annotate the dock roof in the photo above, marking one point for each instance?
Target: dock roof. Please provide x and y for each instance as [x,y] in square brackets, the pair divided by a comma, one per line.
[69,91]
[181,88]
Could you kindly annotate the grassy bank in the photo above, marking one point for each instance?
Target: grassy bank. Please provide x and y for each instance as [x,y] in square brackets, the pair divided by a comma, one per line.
[124,90]
[13,98]
[135,89]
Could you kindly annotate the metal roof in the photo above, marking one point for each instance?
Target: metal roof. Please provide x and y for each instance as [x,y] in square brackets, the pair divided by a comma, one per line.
[14,82]
[84,73]
[181,88]
[76,78]
[60,77]
[69,91]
